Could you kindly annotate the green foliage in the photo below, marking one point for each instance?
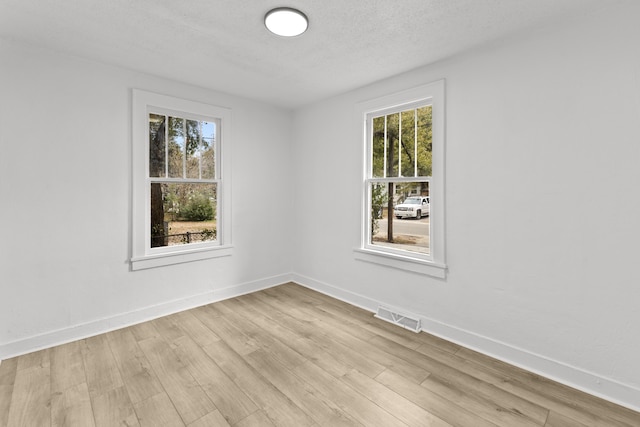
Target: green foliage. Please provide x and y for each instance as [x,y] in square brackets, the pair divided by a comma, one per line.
[378,200]
[158,230]
[198,208]
[198,236]
[189,201]
[209,234]
[400,147]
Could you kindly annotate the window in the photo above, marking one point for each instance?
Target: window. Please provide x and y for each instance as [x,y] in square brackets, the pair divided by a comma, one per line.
[403,180]
[181,209]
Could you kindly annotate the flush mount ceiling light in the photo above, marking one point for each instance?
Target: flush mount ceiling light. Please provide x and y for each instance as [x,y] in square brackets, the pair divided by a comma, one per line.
[286,22]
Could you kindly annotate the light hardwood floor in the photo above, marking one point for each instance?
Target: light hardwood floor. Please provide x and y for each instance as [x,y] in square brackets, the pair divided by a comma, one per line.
[285,356]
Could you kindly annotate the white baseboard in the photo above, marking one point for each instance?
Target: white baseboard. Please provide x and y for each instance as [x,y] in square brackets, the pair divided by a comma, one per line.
[594,384]
[99,326]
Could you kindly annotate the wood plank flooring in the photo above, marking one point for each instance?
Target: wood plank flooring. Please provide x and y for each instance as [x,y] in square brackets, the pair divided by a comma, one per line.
[286,356]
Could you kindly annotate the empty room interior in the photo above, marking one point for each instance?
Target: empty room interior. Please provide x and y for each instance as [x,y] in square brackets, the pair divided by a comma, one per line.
[411,213]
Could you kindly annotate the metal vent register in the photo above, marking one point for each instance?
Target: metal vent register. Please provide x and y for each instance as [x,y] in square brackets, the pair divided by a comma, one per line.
[405,320]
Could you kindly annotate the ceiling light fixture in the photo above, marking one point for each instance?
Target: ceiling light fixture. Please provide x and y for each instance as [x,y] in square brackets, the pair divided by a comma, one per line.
[286,22]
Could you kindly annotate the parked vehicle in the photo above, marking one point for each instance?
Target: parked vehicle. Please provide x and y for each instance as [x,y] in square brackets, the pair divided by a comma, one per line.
[412,207]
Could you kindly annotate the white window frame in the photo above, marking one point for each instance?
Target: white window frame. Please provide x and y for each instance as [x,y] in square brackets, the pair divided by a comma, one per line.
[432,264]
[143,256]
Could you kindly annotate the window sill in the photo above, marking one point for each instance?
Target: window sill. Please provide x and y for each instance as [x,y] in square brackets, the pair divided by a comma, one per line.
[179,257]
[406,263]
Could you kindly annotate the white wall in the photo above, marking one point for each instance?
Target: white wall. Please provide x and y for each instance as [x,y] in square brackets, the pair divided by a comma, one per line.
[543,203]
[65,184]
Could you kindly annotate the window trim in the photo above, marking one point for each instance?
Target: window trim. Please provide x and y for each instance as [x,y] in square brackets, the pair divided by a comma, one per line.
[434,264]
[143,256]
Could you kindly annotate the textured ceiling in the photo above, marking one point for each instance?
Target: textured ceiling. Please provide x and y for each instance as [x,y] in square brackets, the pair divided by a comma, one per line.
[223,44]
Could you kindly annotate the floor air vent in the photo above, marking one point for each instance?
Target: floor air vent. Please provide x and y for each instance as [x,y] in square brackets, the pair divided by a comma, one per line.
[391,315]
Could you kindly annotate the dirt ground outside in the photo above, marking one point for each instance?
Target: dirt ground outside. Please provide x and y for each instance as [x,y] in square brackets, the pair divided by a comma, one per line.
[177,233]
[181,227]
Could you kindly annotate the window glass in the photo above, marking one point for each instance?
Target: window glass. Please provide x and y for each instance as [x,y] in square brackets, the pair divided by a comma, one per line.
[188,213]
[424,141]
[176,147]
[408,142]
[378,147]
[156,145]
[194,136]
[207,152]
[400,216]
[183,210]
[391,143]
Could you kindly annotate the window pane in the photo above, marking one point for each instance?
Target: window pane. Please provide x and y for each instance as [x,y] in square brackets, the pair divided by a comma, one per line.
[408,143]
[183,213]
[156,145]
[176,147]
[393,123]
[424,141]
[378,205]
[401,144]
[401,221]
[377,151]
[194,135]
[207,150]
